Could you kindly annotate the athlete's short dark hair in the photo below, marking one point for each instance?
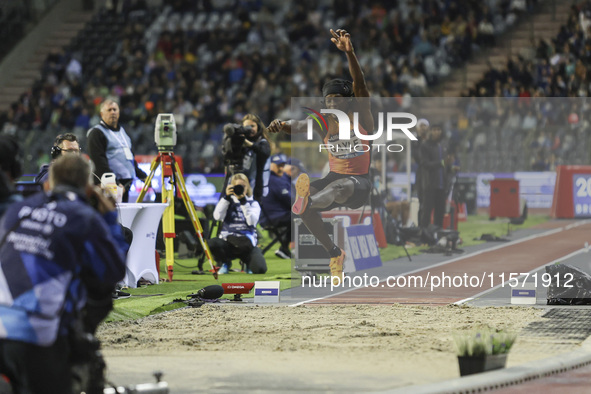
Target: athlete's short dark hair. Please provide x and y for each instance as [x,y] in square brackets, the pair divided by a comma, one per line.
[338,86]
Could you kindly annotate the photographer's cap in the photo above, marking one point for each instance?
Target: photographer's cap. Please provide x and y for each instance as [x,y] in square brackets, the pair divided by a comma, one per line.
[279,158]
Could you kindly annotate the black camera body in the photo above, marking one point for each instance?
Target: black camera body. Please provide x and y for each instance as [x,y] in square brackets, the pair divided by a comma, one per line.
[233,146]
[238,190]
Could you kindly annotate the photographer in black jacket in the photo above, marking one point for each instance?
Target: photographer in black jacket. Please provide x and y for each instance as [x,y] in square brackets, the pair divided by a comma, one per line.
[246,151]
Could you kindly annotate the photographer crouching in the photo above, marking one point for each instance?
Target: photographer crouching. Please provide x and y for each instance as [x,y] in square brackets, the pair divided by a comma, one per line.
[239,214]
[246,151]
[61,254]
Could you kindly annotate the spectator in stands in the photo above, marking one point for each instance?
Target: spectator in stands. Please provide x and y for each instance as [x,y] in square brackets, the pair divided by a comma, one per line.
[486,32]
[541,163]
[246,67]
[63,144]
[434,181]
[276,206]
[417,84]
[10,170]
[239,214]
[109,148]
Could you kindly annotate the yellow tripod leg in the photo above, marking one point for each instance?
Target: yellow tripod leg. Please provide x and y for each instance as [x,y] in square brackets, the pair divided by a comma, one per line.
[168,215]
[196,224]
[148,181]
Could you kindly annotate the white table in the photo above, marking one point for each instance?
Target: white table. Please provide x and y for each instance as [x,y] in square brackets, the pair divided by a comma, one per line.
[142,220]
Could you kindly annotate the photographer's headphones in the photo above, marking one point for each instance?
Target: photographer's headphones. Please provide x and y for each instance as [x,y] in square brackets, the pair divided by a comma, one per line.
[56,151]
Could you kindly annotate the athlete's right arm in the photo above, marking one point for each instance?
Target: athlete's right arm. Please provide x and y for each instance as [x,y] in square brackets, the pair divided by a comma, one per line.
[292,126]
[277,126]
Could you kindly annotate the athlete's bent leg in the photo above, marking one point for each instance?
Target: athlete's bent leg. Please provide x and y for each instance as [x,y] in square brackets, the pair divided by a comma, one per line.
[338,192]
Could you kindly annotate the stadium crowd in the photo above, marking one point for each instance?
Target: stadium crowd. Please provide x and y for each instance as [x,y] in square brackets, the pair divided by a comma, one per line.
[525,102]
[212,62]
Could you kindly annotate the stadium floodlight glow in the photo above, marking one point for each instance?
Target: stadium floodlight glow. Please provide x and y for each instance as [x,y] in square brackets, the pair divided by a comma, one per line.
[165,132]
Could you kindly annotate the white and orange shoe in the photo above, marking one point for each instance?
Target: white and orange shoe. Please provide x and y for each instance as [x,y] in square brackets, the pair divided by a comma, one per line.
[302,188]
[336,268]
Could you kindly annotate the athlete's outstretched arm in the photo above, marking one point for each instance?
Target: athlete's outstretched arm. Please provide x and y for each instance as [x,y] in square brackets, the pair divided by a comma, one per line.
[288,126]
[293,126]
[342,41]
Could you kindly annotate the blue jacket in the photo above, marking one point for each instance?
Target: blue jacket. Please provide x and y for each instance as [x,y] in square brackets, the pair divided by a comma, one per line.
[48,244]
[8,201]
[276,205]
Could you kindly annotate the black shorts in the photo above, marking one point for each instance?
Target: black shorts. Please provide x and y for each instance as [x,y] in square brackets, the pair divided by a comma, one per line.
[361,191]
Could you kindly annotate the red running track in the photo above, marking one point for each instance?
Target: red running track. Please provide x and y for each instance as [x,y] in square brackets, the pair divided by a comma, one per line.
[517,257]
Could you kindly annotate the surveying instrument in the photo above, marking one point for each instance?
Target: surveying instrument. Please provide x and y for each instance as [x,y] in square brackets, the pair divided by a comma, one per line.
[165,137]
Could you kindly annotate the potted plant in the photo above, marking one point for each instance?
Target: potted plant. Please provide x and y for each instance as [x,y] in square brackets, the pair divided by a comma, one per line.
[483,350]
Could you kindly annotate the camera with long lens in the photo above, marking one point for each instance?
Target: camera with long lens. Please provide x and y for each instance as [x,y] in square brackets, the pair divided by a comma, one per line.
[165,132]
[233,146]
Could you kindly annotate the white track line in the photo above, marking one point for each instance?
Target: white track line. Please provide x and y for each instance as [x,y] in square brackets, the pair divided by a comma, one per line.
[504,245]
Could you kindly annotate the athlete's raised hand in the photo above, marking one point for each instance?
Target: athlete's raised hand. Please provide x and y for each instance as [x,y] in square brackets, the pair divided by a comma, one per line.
[275,126]
[342,40]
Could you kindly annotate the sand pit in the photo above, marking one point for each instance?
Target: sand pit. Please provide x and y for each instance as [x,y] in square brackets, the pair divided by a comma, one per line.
[311,348]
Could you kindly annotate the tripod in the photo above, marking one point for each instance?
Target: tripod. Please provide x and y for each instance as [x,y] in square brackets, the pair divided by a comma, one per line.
[171,177]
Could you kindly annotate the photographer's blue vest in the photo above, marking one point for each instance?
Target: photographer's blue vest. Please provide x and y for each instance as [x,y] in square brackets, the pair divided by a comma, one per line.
[235,224]
[119,164]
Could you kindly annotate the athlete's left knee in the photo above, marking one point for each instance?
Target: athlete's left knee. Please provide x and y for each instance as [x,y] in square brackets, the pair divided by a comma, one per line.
[343,191]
